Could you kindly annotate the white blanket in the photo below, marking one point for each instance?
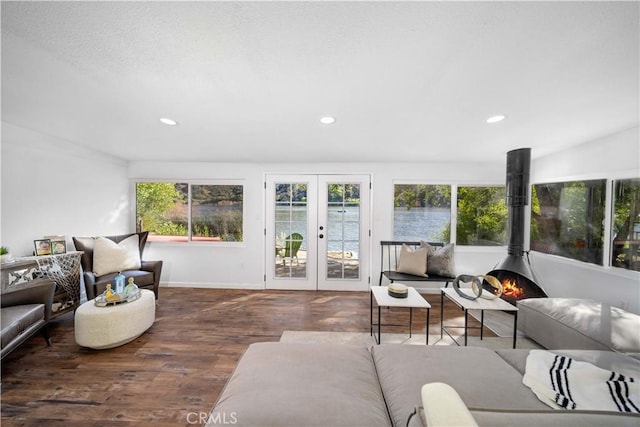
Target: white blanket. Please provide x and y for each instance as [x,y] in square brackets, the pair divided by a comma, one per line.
[562,382]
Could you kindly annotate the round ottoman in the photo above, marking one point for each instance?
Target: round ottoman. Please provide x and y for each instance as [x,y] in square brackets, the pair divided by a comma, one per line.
[114,325]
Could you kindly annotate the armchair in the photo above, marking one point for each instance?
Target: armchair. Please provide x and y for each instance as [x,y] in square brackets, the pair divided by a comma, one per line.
[147,277]
[25,311]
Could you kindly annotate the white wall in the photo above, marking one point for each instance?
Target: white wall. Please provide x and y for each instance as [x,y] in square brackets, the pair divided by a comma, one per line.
[212,265]
[52,187]
[207,265]
[615,156]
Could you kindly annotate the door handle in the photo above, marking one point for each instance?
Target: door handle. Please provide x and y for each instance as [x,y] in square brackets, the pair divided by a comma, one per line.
[321,236]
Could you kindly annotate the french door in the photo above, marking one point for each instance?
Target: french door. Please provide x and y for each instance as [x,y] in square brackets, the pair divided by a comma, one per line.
[317,232]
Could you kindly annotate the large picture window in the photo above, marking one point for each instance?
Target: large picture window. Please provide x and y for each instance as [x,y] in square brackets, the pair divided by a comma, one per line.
[482,216]
[625,230]
[183,211]
[422,212]
[567,219]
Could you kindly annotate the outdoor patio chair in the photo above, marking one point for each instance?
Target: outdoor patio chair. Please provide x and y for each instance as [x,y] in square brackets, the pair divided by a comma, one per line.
[291,248]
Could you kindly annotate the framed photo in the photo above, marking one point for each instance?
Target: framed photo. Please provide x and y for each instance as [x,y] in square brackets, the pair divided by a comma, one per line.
[43,247]
[58,247]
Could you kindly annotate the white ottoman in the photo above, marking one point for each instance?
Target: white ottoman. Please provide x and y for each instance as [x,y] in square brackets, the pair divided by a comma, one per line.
[114,325]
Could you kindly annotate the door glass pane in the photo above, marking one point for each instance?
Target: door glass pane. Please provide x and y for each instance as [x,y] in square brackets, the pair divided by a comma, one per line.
[343,231]
[291,213]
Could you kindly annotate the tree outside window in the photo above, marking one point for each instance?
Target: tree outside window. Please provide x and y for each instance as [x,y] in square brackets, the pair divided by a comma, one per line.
[161,209]
[625,230]
[567,219]
[482,216]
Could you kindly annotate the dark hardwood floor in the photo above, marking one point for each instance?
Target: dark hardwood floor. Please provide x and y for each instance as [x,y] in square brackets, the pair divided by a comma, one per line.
[173,373]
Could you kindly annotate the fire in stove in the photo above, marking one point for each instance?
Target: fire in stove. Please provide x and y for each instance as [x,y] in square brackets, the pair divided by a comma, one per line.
[511,289]
[515,286]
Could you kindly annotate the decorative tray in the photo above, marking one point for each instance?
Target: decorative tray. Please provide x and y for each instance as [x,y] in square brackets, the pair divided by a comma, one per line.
[102,300]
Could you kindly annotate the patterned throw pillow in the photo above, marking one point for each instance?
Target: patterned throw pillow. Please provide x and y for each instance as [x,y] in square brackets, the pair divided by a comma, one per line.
[413,261]
[441,259]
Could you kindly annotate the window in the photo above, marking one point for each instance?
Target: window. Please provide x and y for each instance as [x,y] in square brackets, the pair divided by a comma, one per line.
[482,216]
[567,219]
[183,211]
[422,212]
[625,229]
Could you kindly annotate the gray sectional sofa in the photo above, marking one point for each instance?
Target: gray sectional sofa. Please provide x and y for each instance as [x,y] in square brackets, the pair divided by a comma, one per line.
[579,324]
[295,384]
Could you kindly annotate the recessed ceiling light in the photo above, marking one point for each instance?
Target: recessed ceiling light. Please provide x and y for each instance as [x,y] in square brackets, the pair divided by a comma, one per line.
[496,119]
[327,120]
[168,122]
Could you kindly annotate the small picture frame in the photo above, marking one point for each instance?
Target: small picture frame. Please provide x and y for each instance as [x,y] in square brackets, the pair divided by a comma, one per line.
[43,247]
[58,244]
[58,247]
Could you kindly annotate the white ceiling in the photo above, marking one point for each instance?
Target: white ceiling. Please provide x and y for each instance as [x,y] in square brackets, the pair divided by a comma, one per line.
[249,81]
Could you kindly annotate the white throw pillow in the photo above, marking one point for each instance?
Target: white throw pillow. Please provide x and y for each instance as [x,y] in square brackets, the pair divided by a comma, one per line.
[111,257]
[413,261]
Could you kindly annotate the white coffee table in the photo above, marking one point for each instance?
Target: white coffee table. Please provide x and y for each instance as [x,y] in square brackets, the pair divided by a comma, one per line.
[383,299]
[481,304]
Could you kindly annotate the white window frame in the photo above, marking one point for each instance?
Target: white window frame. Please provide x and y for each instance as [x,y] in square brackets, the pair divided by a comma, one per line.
[191,182]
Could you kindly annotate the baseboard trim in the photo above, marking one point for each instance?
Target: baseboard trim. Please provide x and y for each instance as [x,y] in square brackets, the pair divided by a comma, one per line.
[250,286]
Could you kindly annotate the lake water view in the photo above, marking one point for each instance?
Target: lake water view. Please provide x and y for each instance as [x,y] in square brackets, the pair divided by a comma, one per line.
[418,224]
[342,231]
[415,224]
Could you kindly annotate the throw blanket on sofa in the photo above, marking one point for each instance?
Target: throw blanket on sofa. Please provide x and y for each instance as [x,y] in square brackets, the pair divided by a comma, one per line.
[562,382]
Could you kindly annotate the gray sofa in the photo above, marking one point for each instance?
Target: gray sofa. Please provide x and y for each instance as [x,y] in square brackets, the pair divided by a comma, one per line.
[579,323]
[294,384]
[25,311]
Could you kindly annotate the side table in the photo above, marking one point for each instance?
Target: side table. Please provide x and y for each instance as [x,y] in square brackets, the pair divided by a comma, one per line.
[63,269]
[477,304]
[18,271]
[383,299]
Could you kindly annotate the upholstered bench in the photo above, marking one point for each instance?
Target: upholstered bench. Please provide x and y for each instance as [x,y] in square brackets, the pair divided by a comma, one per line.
[112,326]
[572,323]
